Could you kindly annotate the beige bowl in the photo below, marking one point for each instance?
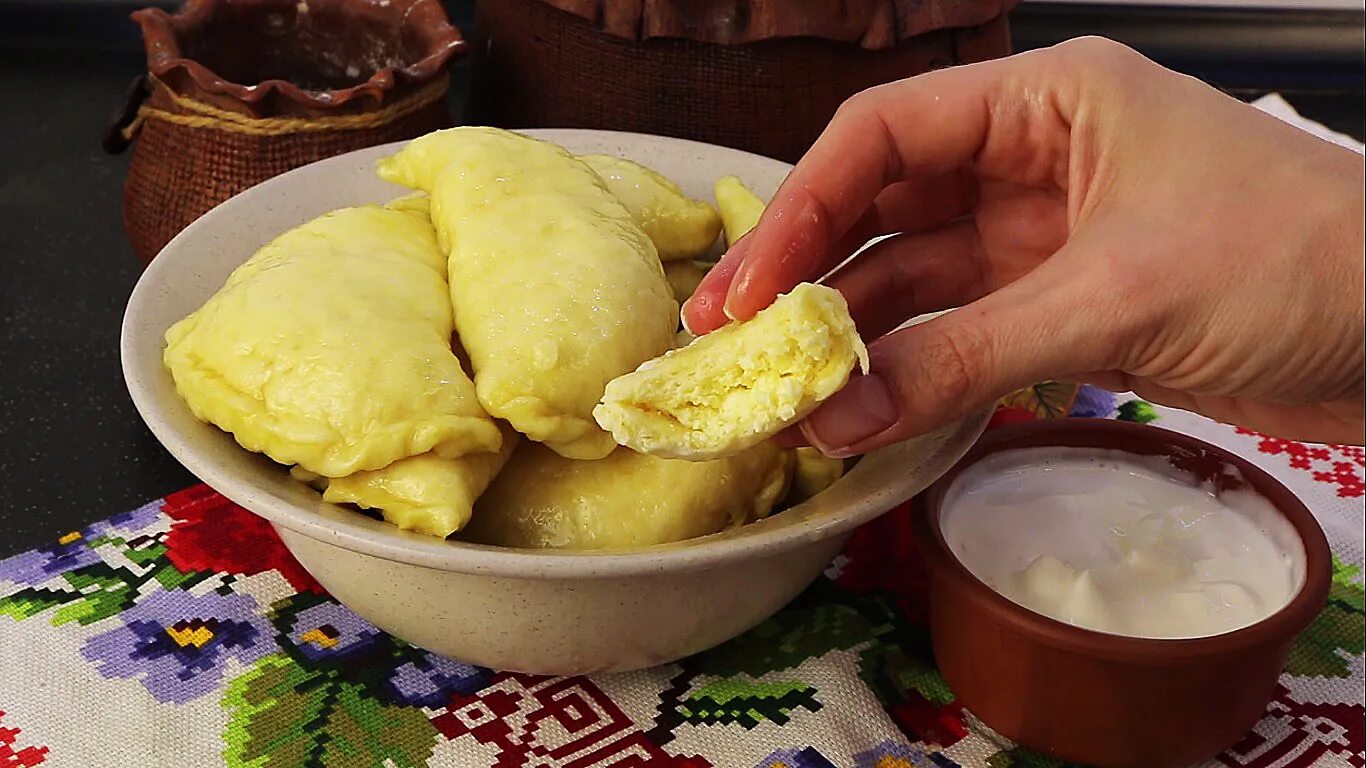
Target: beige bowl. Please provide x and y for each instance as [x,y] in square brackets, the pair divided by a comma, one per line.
[528,611]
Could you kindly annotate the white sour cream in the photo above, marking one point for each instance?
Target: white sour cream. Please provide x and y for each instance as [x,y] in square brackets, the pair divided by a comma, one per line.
[1120,543]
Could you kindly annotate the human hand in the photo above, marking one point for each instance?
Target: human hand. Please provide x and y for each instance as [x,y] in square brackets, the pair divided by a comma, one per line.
[1096,217]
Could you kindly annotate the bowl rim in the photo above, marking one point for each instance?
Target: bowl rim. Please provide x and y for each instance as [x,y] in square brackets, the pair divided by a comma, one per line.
[803,524]
[1110,434]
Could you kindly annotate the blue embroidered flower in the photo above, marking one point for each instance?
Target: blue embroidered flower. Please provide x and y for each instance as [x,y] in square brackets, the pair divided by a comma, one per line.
[38,565]
[1093,403]
[330,633]
[74,551]
[893,755]
[430,680]
[176,643]
[807,757]
[128,524]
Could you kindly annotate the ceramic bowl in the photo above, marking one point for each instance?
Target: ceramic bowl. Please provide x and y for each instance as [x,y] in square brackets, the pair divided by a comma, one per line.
[530,611]
[1102,699]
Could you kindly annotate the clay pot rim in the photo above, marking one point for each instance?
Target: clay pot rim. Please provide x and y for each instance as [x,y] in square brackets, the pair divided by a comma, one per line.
[162,32]
[1281,626]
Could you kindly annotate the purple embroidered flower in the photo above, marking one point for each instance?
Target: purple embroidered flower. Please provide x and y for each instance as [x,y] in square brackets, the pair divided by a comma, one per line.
[36,566]
[892,755]
[807,757]
[328,632]
[430,680]
[1093,403]
[176,643]
[128,524]
[74,551]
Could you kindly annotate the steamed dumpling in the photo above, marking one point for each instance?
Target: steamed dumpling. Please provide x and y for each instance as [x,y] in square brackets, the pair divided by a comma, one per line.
[740,384]
[679,227]
[740,208]
[684,277]
[813,473]
[542,500]
[331,348]
[556,289]
[426,493]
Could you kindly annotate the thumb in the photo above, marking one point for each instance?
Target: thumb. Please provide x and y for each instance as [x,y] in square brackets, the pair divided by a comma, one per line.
[928,375]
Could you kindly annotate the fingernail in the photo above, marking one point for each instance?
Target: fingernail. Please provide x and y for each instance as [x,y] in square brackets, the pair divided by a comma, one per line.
[791,437]
[864,408]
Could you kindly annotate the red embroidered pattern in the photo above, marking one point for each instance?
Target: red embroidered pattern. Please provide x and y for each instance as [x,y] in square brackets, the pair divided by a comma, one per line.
[13,757]
[213,534]
[546,722]
[1339,465]
[1296,734]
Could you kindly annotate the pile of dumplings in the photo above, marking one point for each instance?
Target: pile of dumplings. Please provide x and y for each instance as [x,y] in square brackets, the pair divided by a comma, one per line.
[498,356]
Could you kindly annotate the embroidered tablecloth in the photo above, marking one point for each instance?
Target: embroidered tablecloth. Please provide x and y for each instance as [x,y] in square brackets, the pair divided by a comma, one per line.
[183,634]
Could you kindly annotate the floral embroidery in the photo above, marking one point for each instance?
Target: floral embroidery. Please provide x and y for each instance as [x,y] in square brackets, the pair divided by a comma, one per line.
[176,644]
[806,757]
[328,633]
[76,549]
[214,535]
[1094,403]
[1339,465]
[894,755]
[165,595]
[429,680]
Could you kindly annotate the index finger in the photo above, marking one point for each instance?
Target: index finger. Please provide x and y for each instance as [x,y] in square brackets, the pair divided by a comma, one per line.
[923,126]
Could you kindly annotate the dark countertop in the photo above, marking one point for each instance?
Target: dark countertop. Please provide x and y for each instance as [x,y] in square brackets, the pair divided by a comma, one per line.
[72,448]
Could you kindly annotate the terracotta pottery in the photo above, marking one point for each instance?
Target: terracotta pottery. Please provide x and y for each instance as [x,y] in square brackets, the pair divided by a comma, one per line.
[764,76]
[1101,699]
[238,91]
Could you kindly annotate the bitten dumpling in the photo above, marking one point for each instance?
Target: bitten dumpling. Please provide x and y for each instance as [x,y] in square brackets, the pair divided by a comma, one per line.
[740,384]
[331,348]
[740,208]
[542,500]
[679,227]
[556,290]
[426,494]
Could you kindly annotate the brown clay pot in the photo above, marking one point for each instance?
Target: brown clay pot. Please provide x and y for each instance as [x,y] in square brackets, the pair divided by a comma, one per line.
[764,76]
[1101,699]
[238,91]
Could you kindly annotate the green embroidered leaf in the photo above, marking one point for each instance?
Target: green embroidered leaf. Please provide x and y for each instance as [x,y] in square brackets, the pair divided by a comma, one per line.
[1020,757]
[29,602]
[284,716]
[96,605]
[172,577]
[1336,634]
[747,703]
[97,575]
[362,732]
[1046,400]
[274,711]
[1137,411]
[1346,588]
[906,673]
[147,555]
[789,638]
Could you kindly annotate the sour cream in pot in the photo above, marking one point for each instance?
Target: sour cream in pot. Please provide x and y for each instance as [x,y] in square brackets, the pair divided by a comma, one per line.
[1121,543]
